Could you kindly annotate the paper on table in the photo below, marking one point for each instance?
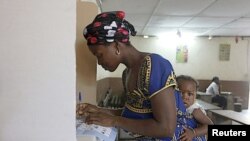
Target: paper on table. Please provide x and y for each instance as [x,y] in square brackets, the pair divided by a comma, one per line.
[100,132]
[86,138]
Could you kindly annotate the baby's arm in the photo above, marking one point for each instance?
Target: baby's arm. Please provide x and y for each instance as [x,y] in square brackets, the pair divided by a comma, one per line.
[203,121]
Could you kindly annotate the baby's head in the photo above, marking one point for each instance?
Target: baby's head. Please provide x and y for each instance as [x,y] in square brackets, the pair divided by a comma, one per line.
[188,87]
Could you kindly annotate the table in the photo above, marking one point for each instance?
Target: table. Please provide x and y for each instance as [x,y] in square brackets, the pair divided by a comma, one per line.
[92,132]
[207,106]
[208,98]
[204,96]
[240,117]
[86,138]
[225,93]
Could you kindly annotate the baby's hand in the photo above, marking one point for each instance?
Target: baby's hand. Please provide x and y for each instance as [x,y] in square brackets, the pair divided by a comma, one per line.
[188,135]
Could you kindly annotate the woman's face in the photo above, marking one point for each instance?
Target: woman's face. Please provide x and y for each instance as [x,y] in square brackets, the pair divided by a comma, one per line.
[188,92]
[106,55]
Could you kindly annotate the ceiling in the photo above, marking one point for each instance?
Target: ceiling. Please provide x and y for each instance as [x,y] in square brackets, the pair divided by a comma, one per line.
[199,17]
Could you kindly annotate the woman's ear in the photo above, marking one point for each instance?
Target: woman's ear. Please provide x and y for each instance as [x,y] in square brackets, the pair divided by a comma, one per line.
[117,48]
[117,52]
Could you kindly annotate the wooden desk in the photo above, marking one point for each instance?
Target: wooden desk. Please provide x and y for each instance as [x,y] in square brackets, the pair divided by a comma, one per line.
[232,115]
[225,93]
[229,97]
[202,93]
[207,106]
[204,96]
[208,98]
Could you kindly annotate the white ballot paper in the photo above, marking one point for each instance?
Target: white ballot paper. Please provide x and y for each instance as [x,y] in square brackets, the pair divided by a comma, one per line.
[101,133]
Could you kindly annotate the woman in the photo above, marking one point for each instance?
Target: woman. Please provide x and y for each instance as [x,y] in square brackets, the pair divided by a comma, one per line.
[152,102]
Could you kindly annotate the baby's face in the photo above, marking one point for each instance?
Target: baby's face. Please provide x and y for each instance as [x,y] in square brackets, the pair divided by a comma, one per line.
[188,92]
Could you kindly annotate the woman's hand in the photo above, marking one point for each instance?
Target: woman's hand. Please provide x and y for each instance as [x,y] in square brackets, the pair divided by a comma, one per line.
[188,135]
[84,108]
[101,118]
[95,115]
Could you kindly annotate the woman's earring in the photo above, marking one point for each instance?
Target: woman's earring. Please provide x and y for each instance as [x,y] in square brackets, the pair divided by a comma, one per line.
[117,52]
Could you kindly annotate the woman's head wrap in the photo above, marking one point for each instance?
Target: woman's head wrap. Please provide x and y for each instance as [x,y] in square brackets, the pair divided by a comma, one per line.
[108,27]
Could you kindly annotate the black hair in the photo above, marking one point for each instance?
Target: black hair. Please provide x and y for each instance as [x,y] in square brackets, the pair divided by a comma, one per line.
[181,78]
[215,78]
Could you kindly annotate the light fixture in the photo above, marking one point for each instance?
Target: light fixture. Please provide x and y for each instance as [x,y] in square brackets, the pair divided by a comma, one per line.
[210,37]
[145,36]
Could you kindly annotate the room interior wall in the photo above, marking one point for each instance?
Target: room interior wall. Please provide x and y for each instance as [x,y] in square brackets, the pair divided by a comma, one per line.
[37,71]
[85,61]
[203,57]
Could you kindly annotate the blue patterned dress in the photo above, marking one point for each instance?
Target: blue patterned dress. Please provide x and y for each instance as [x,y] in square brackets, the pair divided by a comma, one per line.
[156,74]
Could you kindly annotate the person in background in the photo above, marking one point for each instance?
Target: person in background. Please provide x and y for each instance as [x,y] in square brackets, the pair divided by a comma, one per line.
[154,109]
[197,117]
[214,88]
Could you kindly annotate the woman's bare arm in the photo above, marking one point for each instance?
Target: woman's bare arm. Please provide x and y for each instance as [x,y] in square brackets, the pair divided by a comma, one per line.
[115,112]
[164,122]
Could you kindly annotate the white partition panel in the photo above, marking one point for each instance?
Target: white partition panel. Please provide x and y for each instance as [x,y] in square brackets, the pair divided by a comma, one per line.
[37,70]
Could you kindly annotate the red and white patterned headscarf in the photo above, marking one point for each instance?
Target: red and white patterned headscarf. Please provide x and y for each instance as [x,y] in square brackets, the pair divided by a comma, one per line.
[108,27]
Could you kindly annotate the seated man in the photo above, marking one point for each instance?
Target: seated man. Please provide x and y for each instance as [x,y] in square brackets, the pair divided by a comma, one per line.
[214,88]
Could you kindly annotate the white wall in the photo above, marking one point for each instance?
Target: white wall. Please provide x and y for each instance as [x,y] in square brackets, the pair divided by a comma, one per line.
[37,70]
[203,57]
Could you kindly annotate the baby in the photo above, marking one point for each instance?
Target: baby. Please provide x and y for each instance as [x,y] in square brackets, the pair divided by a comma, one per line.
[198,118]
